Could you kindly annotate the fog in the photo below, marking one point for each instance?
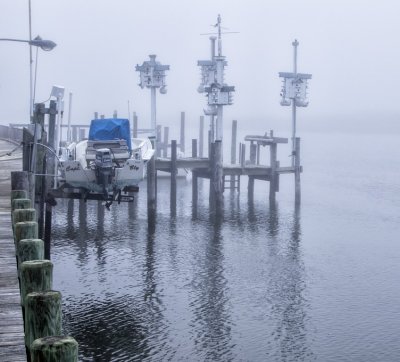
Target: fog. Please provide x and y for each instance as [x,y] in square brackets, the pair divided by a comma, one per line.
[351,49]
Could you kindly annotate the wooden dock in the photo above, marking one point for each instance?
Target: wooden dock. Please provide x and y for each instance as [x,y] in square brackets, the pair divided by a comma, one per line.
[12,344]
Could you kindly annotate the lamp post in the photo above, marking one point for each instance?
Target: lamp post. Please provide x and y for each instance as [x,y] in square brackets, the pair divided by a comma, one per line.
[46,45]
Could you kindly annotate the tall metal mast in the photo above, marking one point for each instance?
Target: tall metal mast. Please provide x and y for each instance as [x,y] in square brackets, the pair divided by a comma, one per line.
[218,93]
[294,93]
[152,75]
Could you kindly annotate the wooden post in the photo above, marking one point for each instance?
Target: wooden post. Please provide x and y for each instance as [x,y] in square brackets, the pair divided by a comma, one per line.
[195,190]
[273,176]
[21,204]
[54,349]
[25,230]
[253,153]
[27,149]
[96,115]
[18,194]
[51,160]
[102,116]
[182,137]
[158,140]
[47,228]
[297,172]
[166,141]
[201,136]
[135,125]
[115,114]
[233,151]
[23,180]
[174,173]
[36,276]
[258,154]
[216,179]
[30,249]
[151,189]
[250,188]
[243,155]
[42,315]
[21,215]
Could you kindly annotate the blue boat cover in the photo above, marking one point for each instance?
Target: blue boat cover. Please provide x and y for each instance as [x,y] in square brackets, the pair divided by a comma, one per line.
[110,129]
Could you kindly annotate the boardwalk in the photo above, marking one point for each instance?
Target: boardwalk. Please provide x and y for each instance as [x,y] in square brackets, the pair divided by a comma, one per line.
[12,345]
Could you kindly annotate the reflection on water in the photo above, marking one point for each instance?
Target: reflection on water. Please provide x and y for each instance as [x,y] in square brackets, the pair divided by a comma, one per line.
[182,287]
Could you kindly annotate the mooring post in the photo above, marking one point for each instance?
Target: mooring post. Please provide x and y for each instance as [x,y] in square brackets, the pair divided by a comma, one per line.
[174,172]
[158,140]
[25,230]
[250,188]
[30,249]
[135,125]
[297,172]
[201,136]
[36,276]
[96,115]
[233,151]
[18,194]
[195,195]
[165,143]
[243,155]
[216,179]
[151,188]
[253,153]
[23,180]
[273,175]
[42,316]
[54,348]
[27,149]
[22,215]
[182,137]
[115,114]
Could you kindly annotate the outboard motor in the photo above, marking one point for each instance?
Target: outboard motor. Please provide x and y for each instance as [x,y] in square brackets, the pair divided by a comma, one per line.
[104,169]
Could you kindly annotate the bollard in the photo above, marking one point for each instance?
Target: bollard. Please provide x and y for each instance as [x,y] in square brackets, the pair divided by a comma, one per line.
[21,204]
[30,249]
[21,215]
[36,276]
[25,230]
[18,194]
[42,315]
[54,349]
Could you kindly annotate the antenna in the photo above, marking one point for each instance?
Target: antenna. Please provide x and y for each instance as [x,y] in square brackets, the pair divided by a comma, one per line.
[219,33]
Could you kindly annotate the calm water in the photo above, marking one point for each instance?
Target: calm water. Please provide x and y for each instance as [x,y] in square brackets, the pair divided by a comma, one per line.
[268,283]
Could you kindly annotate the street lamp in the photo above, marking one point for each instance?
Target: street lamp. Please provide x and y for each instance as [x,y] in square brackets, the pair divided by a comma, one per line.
[43,44]
[46,45]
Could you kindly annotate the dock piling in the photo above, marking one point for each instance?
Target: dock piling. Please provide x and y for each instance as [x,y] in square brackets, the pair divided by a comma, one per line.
[42,315]
[174,173]
[54,349]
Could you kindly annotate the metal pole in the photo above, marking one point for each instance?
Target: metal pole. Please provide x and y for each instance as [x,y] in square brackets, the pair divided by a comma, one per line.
[30,65]
[69,118]
[219,128]
[295,44]
[153,111]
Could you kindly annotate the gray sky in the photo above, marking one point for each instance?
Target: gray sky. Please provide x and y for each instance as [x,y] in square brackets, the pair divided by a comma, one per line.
[350,47]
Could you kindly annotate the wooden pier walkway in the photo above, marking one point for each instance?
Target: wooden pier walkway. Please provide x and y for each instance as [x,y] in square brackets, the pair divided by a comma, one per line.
[12,344]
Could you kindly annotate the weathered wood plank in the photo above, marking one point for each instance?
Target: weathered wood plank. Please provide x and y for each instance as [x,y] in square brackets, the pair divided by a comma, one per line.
[12,344]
